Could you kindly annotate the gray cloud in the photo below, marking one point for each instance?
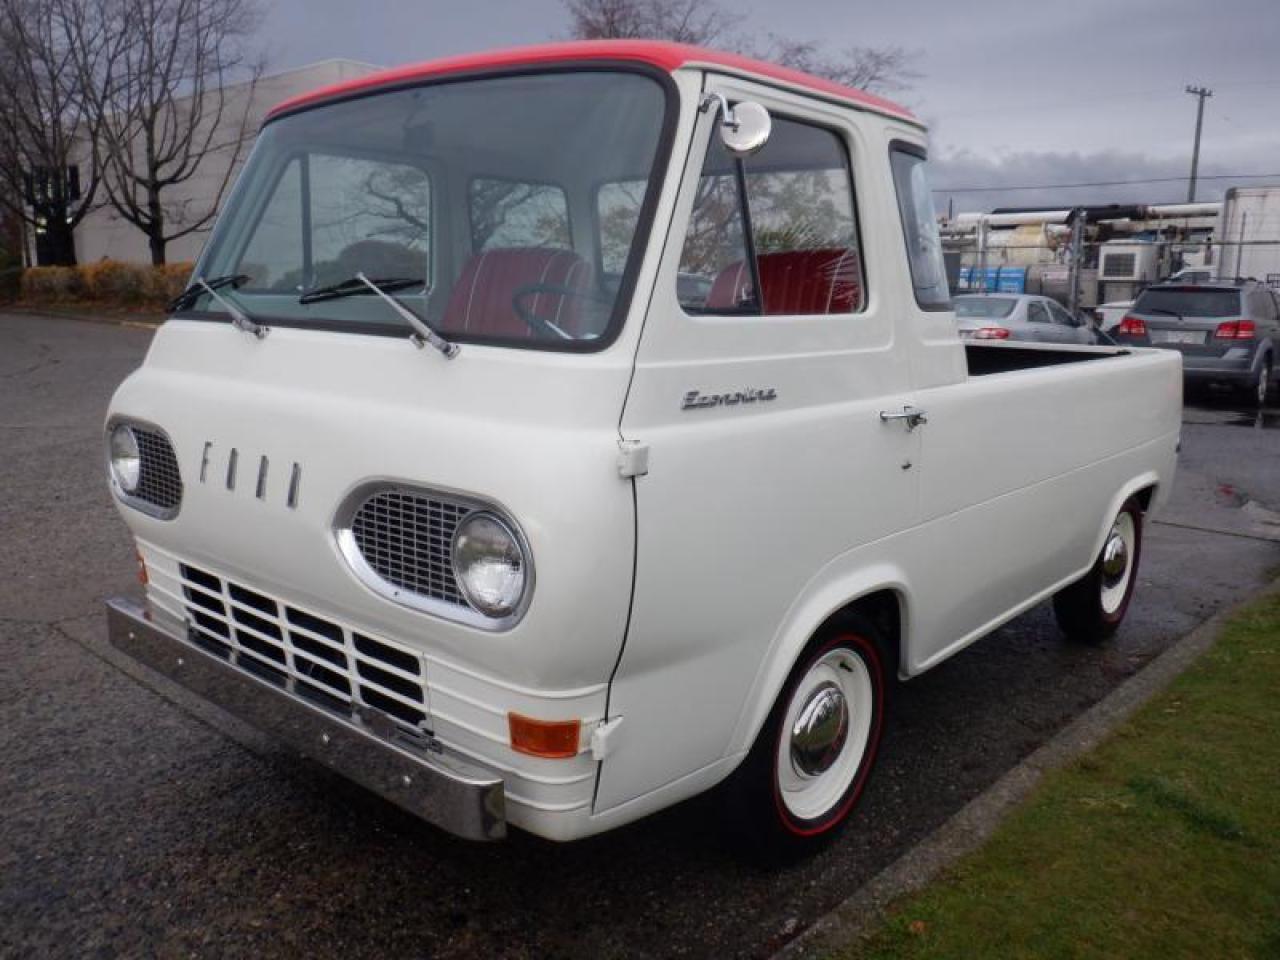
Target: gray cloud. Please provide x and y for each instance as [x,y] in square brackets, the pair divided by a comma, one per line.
[1015,91]
[966,168]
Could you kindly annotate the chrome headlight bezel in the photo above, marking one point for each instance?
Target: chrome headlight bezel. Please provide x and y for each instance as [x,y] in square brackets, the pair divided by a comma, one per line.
[458,612]
[130,496]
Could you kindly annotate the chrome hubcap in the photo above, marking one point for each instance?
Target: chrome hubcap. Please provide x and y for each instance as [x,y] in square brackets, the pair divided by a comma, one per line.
[1117,562]
[820,730]
[825,734]
[1115,558]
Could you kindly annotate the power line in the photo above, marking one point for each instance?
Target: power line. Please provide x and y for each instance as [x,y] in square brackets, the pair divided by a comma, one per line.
[1107,183]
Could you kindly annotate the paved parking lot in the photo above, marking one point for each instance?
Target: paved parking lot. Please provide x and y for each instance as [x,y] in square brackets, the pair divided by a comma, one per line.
[137,823]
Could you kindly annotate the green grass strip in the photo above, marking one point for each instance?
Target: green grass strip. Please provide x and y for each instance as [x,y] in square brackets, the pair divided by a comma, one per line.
[1164,842]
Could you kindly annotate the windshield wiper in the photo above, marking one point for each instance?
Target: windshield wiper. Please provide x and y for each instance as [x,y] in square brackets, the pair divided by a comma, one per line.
[359,284]
[1167,313]
[240,319]
[422,334]
[197,289]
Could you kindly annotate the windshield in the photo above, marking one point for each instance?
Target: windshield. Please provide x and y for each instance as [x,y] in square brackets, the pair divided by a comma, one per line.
[987,307]
[1190,303]
[475,202]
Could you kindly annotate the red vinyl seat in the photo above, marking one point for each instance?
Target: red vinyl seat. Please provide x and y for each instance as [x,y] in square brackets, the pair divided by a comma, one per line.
[827,280]
[481,300]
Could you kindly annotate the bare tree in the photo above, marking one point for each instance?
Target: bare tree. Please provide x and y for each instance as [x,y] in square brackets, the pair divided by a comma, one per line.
[48,170]
[163,107]
[708,23]
[874,69]
[702,22]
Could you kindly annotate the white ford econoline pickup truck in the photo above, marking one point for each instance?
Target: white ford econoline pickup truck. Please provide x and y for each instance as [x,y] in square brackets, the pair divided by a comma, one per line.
[550,435]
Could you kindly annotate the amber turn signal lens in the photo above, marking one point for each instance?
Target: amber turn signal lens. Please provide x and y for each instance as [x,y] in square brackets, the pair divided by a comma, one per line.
[555,739]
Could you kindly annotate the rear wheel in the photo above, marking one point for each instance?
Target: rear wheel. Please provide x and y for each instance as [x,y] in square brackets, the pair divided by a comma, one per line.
[1263,387]
[1092,608]
[811,761]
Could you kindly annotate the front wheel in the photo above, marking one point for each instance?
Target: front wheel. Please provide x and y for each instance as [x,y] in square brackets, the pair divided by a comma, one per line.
[810,762]
[1092,608]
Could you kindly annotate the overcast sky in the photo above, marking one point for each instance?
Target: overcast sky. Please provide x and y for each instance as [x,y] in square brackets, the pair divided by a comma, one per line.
[1016,92]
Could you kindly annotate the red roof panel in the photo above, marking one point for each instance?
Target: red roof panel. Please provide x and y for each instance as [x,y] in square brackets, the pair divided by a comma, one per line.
[665,56]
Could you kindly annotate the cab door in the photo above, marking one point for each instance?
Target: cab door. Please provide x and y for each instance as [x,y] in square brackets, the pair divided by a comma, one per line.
[769,387]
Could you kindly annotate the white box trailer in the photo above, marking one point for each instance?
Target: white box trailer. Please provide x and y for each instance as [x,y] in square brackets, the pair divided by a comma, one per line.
[1249,234]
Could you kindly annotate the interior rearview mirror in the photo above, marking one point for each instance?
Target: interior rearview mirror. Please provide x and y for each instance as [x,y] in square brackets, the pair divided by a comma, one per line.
[744,127]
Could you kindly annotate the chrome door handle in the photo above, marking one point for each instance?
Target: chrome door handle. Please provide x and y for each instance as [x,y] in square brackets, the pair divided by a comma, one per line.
[913,416]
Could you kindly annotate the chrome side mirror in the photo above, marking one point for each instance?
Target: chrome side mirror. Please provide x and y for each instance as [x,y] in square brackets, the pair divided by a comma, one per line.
[743,128]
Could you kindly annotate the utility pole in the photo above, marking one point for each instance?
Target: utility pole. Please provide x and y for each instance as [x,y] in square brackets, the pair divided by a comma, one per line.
[1077,260]
[1200,93]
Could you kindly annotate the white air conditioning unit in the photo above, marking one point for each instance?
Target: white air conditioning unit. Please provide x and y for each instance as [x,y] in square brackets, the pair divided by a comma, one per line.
[1128,261]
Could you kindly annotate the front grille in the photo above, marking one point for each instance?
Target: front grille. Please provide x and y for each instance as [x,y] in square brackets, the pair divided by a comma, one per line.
[159,482]
[314,658]
[405,539]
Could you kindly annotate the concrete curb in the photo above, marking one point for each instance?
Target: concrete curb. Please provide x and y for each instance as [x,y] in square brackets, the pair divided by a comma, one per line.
[974,824]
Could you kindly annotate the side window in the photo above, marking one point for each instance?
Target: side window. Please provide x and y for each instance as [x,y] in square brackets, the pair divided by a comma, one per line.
[802,249]
[1036,313]
[805,233]
[507,213]
[920,225]
[1060,315]
[368,216]
[714,276]
[1262,304]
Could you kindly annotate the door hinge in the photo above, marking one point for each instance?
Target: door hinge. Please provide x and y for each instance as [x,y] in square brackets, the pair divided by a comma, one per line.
[602,737]
[633,458]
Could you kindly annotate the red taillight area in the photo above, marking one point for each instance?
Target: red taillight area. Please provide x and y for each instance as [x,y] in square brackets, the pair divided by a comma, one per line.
[554,739]
[991,333]
[1132,326]
[1236,330]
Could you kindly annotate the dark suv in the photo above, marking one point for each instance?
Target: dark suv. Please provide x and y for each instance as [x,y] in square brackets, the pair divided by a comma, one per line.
[1227,332]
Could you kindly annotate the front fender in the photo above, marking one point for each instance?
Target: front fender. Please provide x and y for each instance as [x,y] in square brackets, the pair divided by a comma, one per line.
[837,585]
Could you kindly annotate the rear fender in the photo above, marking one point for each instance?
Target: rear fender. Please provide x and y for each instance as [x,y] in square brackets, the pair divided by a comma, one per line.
[1145,481]
[1266,348]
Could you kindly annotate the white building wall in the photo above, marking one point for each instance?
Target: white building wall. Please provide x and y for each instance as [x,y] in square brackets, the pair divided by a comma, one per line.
[104,234]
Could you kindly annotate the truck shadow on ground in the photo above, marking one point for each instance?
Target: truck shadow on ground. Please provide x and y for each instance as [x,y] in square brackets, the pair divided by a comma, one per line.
[676,883]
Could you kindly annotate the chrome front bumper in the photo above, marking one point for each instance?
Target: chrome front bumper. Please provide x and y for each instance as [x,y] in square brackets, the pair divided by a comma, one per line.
[463,800]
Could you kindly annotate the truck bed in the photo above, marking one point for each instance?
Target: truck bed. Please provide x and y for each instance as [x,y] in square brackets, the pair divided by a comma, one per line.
[988,358]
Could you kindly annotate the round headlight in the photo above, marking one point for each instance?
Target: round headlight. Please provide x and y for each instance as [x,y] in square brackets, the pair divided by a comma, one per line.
[126,464]
[489,564]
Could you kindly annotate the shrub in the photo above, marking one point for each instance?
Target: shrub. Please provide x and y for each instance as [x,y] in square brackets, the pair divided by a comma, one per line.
[53,284]
[109,282]
[169,280]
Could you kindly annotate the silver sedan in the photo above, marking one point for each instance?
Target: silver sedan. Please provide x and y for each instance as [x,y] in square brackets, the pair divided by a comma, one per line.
[1018,316]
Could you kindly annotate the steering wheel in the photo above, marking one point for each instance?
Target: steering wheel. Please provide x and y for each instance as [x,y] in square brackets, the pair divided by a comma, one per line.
[545,328]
